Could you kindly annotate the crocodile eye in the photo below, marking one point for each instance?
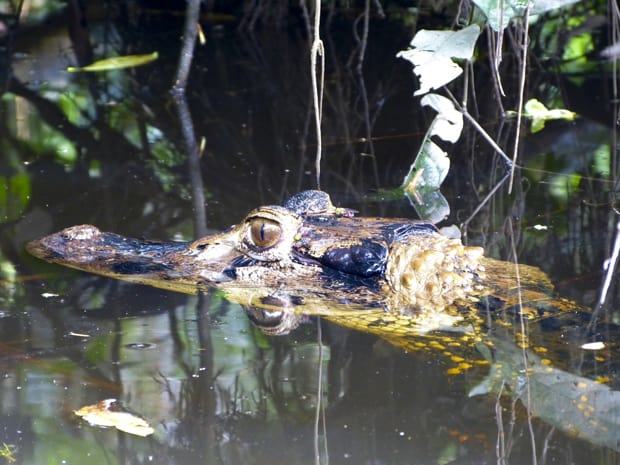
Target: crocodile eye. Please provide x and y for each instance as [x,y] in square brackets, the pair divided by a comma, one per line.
[264,233]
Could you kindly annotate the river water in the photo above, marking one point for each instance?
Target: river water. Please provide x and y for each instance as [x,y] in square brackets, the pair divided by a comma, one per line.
[107,149]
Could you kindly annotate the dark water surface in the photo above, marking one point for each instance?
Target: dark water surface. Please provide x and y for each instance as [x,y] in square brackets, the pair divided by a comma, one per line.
[106,149]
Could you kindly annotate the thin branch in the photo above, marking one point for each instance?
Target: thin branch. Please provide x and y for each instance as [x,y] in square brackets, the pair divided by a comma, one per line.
[500,444]
[497,80]
[523,344]
[315,51]
[193,164]
[320,405]
[485,200]
[499,46]
[189,40]
[479,128]
[364,41]
[611,264]
[526,34]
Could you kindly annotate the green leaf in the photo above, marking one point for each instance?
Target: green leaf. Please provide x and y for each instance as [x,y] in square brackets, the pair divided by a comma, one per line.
[429,169]
[539,114]
[432,54]
[431,164]
[127,61]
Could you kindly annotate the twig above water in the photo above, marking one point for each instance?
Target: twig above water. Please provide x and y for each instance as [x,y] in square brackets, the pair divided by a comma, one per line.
[187,49]
[317,50]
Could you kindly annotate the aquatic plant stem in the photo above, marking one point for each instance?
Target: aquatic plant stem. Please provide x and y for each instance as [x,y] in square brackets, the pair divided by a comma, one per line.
[522,78]
[315,51]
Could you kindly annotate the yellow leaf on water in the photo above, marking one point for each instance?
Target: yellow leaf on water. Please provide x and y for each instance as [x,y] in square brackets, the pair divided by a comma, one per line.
[109,413]
[127,61]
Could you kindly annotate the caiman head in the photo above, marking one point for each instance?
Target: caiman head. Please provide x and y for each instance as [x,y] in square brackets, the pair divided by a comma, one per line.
[304,249]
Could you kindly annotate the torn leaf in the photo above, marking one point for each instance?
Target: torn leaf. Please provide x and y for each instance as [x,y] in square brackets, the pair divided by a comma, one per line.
[432,54]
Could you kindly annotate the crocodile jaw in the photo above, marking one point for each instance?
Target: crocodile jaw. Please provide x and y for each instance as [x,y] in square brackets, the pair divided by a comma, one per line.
[158,264]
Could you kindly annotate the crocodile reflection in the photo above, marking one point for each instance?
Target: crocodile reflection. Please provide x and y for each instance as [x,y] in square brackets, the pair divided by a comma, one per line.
[399,279]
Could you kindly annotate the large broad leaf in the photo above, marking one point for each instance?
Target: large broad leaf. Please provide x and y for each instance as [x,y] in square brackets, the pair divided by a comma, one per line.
[432,54]
[421,185]
[431,164]
[499,13]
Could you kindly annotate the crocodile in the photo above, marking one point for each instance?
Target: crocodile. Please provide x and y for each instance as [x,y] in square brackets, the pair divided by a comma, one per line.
[400,279]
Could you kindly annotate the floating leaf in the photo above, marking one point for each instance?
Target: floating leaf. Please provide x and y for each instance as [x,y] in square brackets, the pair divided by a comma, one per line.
[127,61]
[539,114]
[109,413]
[432,54]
